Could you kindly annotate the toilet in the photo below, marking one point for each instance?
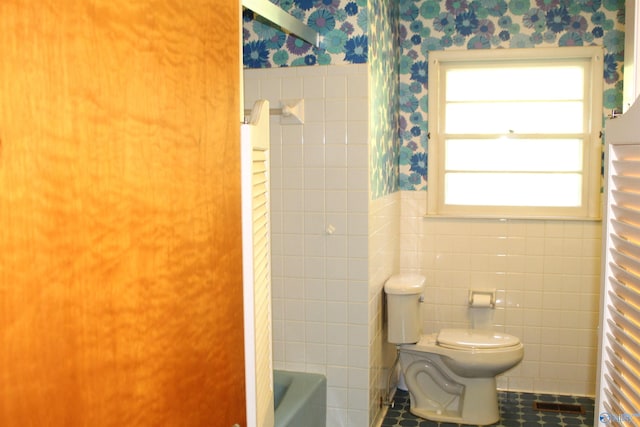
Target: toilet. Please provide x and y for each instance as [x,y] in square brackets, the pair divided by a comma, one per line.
[450,374]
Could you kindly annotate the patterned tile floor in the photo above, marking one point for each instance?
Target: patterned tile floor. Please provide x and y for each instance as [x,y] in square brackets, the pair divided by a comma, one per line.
[516,410]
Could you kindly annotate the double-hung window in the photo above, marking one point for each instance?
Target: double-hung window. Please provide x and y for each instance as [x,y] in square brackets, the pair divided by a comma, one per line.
[515,132]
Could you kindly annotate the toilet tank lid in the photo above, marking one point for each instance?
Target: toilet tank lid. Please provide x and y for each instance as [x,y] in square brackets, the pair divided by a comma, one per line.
[404,284]
[474,338]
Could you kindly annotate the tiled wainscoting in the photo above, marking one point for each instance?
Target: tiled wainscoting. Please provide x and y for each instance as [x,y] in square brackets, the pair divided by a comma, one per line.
[546,274]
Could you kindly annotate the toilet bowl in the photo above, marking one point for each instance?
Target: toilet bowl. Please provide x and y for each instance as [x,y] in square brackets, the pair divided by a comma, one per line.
[457,383]
[450,374]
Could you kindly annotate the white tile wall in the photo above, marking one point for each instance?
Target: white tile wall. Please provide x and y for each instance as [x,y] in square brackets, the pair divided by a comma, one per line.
[546,274]
[384,260]
[320,178]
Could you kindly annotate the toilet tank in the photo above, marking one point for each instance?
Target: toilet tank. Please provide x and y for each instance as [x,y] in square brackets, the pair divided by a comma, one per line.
[404,293]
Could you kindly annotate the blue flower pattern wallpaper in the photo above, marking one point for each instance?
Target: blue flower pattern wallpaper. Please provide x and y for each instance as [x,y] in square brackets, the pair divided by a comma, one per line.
[384,57]
[342,24]
[428,25]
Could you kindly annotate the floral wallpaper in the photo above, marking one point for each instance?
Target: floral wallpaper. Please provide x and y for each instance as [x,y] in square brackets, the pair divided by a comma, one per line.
[351,28]
[427,25]
[342,24]
[384,56]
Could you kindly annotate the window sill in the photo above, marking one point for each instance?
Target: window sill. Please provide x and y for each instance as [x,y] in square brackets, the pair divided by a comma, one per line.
[511,217]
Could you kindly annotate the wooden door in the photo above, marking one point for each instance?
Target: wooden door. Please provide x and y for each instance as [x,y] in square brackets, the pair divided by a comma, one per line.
[120,246]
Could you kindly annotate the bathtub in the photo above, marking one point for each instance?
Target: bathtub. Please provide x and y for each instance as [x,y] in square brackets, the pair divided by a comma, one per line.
[300,399]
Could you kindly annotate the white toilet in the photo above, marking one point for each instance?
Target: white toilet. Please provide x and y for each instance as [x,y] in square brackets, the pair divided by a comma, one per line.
[451,374]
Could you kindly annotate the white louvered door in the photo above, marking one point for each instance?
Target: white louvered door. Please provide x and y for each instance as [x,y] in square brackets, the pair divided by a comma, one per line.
[618,391]
[257,266]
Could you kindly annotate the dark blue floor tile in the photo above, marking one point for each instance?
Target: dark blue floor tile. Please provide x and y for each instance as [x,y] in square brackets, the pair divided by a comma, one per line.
[516,410]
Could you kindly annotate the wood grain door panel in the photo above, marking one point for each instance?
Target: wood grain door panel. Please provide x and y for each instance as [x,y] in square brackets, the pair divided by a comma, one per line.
[120,247]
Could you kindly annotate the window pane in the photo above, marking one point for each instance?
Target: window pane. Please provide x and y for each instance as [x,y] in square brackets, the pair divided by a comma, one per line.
[519,117]
[515,83]
[513,129]
[511,189]
[505,154]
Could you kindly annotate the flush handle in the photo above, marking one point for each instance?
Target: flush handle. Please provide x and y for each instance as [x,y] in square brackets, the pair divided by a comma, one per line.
[421,299]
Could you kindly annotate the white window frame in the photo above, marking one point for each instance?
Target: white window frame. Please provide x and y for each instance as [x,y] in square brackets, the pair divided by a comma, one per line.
[592,150]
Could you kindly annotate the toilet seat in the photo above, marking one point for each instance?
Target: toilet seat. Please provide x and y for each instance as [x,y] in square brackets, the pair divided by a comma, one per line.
[465,339]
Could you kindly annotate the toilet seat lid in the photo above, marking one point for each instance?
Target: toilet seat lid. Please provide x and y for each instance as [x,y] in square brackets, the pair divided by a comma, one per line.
[473,338]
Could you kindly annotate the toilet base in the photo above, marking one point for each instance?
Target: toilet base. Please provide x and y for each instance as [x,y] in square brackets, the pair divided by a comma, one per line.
[479,405]
[455,385]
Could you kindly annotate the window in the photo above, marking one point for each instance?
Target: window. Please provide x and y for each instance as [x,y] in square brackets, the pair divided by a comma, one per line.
[515,132]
